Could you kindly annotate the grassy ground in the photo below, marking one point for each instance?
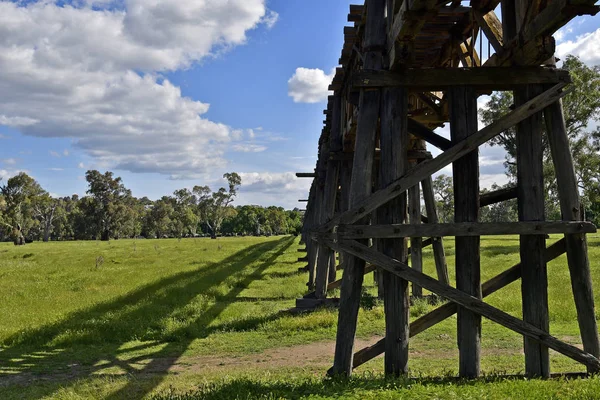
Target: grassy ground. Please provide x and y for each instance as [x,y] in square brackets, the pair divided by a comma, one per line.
[200,318]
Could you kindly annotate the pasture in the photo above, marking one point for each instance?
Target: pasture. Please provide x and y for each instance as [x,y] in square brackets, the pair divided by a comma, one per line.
[202,319]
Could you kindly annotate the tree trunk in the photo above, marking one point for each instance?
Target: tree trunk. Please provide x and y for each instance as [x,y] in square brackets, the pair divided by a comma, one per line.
[105,236]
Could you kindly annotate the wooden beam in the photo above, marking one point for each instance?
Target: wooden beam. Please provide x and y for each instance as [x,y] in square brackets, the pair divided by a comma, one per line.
[497,196]
[465,171]
[463,229]
[447,310]
[394,143]
[306,175]
[438,244]
[427,168]
[577,256]
[471,303]
[361,186]
[422,132]
[497,78]
[531,197]
[491,27]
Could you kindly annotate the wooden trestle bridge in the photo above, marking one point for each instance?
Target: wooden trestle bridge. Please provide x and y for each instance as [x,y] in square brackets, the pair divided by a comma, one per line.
[408,67]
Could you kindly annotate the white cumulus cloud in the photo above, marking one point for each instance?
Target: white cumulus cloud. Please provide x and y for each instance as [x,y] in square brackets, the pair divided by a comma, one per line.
[586,47]
[94,75]
[310,85]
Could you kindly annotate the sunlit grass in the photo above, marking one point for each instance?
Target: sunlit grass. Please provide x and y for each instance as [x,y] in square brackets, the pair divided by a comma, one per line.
[84,311]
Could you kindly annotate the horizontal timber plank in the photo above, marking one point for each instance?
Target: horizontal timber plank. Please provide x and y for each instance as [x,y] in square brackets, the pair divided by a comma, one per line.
[486,199]
[447,310]
[428,168]
[438,78]
[462,229]
[471,303]
[306,175]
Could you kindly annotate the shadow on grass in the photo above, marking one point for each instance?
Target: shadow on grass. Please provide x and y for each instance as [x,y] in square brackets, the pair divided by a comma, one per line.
[245,388]
[143,315]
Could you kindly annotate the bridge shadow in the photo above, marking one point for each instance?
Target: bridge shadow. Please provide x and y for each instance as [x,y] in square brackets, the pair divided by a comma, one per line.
[143,315]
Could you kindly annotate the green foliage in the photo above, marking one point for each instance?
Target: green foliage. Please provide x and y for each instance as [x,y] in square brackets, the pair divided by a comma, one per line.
[581,108]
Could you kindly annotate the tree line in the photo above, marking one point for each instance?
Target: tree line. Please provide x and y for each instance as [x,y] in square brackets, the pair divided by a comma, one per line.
[109,211]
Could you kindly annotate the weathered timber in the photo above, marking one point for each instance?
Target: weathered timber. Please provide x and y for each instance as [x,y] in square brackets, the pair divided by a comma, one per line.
[422,132]
[472,303]
[394,163]
[461,229]
[496,78]
[492,27]
[306,175]
[486,199]
[557,14]
[439,255]
[360,187]
[447,310]
[463,123]
[530,200]
[416,256]
[326,260]
[365,206]
[577,256]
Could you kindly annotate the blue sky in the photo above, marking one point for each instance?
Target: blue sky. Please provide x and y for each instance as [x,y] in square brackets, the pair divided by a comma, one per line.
[125,86]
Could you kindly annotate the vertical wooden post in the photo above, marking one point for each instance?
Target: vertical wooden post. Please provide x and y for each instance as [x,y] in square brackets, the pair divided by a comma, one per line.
[311,246]
[361,184]
[577,256]
[437,242]
[334,144]
[530,189]
[463,122]
[416,243]
[394,164]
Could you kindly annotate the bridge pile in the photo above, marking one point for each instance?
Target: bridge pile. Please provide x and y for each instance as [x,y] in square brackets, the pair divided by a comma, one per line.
[407,68]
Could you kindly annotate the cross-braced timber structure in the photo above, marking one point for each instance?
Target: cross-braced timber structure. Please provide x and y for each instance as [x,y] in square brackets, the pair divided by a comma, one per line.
[408,67]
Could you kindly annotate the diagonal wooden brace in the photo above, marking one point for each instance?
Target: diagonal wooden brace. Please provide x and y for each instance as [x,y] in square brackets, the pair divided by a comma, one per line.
[429,167]
[447,310]
[469,302]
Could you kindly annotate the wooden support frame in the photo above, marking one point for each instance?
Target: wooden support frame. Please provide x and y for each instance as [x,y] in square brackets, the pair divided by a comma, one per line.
[471,303]
[494,78]
[428,168]
[463,229]
[447,310]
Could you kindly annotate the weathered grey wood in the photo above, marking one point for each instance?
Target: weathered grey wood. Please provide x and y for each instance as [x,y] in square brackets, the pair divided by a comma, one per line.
[416,256]
[530,187]
[473,304]
[496,78]
[421,131]
[439,255]
[447,310]
[324,270]
[463,123]
[486,199]
[361,188]
[364,207]
[492,27]
[394,163]
[464,229]
[577,256]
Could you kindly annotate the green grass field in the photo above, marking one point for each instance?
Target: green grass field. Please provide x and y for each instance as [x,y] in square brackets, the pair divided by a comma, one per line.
[201,319]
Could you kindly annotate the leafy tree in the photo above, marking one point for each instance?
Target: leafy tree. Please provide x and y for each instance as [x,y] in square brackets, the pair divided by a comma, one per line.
[185,220]
[443,190]
[214,207]
[110,202]
[45,209]
[159,217]
[18,193]
[581,107]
